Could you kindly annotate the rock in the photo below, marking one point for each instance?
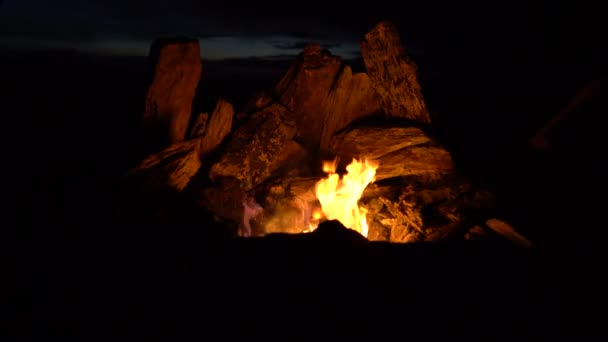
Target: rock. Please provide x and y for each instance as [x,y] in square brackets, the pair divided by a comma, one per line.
[172,168]
[415,161]
[177,71]
[305,88]
[200,125]
[351,98]
[254,146]
[219,126]
[375,142]
[393,74]
[504,229]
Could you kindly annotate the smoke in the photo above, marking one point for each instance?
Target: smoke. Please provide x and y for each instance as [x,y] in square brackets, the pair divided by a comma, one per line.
[251,209]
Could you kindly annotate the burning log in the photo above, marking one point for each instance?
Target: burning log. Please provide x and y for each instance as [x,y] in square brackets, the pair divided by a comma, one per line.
[393,74]
[200,125]
[375,142]
[351,98]
[397,149]
[218,127]
[303,188]
[253,147]
[173,167]
[416,161]
[304,89]
[291,157]
[177,71]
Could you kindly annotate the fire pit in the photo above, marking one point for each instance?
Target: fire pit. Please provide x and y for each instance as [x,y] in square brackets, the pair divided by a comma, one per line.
[259,167]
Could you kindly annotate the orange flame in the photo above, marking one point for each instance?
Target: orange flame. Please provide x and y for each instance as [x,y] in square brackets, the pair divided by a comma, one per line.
[317,214]
[339,197]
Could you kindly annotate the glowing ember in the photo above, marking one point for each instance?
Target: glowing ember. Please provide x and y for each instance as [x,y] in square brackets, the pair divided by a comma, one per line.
[339,197]
[317,214]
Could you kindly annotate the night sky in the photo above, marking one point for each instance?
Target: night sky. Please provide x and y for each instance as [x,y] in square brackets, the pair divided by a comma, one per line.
[271,28]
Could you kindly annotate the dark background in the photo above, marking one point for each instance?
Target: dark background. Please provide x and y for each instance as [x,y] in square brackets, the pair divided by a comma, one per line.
[492,74]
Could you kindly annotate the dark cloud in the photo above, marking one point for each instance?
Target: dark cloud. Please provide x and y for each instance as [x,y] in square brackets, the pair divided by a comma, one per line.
[432,26]
[300,45]
[149,17]
[303,35]
[256,59]
[354,53]
[32,29]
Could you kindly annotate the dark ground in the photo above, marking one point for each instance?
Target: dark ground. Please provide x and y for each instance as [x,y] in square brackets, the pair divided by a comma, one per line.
[70,136]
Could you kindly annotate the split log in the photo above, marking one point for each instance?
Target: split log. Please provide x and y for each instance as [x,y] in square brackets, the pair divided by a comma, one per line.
[177,71]
[291,155]
[393,74]
[218,127]
[305,88]
[375,142]
[200,125]
[171,168]
[253,147]
[415,161]
[351,98]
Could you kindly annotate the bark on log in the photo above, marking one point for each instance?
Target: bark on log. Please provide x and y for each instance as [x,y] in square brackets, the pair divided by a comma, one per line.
[351,98]
[171,168]
[253,147]
[393,74]
[304,90]
[415,161]
[218,127]
[375,142]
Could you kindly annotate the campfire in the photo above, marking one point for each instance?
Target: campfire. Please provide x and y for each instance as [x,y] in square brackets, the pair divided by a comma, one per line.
[253,167]
[339,196]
